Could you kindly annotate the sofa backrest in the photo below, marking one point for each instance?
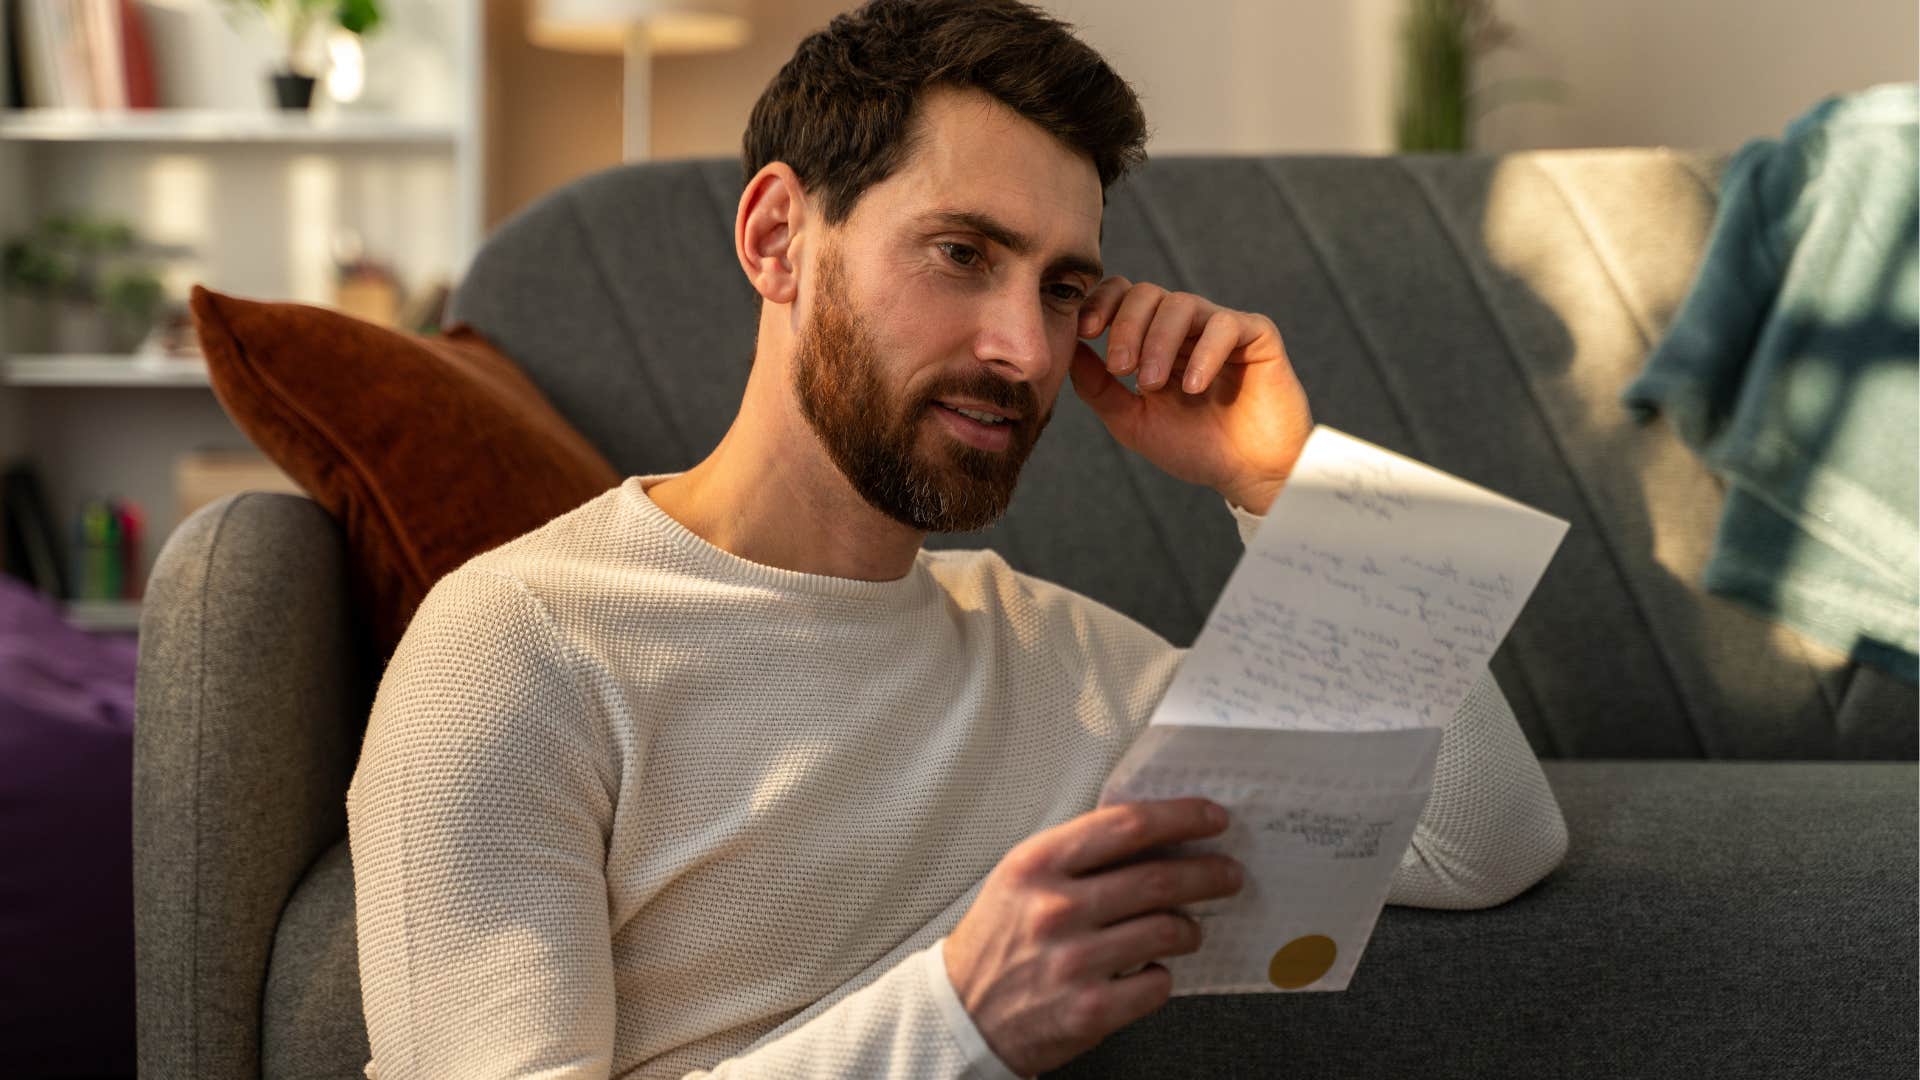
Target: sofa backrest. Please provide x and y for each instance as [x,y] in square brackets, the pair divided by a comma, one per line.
[1477,312]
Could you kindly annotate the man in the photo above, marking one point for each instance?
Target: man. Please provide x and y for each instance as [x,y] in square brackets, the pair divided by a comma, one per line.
[722,773]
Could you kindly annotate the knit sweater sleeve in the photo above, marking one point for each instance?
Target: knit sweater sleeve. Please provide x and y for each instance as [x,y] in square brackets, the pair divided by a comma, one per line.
[1491,828]
[477,822]
[908,1022]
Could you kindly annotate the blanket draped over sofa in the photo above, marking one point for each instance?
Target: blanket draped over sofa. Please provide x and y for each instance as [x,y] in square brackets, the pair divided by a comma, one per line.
[1791,369]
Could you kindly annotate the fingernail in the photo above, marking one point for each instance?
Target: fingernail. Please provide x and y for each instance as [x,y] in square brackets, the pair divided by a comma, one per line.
[1216,815]
[1235,876]
[1193,382]
[1120,358]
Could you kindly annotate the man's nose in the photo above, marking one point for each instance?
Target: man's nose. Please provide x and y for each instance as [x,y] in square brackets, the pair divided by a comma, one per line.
[1013,334]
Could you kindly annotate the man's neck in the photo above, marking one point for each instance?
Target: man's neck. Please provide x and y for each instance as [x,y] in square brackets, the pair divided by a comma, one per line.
[769,494]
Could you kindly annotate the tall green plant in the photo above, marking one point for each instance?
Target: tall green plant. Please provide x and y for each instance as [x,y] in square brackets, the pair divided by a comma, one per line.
[1441,42]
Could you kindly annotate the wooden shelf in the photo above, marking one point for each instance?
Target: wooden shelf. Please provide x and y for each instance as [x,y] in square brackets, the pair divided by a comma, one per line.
[81,370]
[219,126]
[97,615]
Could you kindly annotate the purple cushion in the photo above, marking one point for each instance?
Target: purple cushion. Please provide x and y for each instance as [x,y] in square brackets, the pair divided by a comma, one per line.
[66,843]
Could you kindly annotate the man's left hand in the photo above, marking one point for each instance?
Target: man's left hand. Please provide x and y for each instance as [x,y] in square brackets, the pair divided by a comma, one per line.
[1219,404]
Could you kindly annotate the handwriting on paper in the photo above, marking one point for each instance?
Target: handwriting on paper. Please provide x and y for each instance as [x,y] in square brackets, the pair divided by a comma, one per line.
[1372,600]
[1340,836]
[1418,634]
[1369,488]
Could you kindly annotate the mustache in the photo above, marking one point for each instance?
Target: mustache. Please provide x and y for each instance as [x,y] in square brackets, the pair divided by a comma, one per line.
[1018,397]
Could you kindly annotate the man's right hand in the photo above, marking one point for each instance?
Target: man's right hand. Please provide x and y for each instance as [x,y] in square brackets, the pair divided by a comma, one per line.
[1037,960]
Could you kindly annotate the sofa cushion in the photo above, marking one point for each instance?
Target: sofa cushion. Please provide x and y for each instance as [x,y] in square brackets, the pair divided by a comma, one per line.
[428,449]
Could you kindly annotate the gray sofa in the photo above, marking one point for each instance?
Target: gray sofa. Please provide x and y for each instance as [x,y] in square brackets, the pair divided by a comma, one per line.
[1739,898]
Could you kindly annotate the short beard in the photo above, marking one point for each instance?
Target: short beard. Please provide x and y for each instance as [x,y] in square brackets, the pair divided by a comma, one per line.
[875,440]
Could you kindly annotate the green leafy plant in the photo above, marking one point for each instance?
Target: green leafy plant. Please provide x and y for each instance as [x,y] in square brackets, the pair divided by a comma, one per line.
[1441,43]
[297,20]
[84,260]
[132,295]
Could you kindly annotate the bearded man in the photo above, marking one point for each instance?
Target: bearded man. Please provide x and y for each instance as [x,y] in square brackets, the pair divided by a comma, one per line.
[722,773]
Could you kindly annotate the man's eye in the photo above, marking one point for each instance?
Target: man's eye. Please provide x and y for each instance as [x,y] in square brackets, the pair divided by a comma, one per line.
[1072,294]
[955,251]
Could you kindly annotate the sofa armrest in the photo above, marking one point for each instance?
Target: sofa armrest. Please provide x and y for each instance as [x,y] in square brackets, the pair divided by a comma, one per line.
[252,694]
[1714,918]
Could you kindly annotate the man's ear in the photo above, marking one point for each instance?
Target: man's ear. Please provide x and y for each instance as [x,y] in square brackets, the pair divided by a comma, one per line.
[766,230]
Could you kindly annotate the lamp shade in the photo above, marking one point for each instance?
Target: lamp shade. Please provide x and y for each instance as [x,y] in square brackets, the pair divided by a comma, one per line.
[671,26]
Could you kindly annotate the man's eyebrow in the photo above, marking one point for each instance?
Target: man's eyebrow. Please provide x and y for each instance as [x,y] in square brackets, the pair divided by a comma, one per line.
[1017,242]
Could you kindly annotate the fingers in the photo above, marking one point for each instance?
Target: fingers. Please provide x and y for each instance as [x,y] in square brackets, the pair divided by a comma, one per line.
[1140,994]
[1224,333]
[1098,308]
[1129,327]
[1153,331]
[1115,405]
[1103,1007]
[1125,946]
[1174,321]
[1111,833]
[1158,885]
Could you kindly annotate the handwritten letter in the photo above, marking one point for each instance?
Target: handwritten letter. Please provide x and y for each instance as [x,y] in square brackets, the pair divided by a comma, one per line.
[1363,612]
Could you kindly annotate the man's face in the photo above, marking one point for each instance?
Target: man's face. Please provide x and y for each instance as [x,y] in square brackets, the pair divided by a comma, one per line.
[956,283]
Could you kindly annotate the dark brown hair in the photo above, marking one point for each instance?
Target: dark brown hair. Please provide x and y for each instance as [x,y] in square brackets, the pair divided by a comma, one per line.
[840,112]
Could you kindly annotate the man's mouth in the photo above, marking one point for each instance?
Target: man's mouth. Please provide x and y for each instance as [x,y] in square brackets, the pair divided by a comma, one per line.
[982,430]
[979,415]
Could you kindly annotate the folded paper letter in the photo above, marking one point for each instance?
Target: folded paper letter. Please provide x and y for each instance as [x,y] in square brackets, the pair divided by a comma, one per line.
[1312,703]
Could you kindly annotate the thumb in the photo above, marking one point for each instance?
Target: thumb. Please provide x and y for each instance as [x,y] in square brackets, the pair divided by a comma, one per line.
[1115,405]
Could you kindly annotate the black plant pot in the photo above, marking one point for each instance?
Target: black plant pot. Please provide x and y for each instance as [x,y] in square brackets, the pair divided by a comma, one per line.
[292,90]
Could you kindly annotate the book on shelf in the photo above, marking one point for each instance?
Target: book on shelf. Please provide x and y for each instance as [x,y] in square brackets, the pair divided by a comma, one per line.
[107,539]
[136,57]
[29,547]
[77,54]
[13,94]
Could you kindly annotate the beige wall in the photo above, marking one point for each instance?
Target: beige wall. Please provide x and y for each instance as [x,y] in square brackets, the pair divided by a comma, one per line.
[1699,73]
[551,116]
[1267,76]
[1279,74]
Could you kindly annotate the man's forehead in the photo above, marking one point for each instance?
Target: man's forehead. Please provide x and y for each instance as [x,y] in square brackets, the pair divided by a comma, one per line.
[973,161]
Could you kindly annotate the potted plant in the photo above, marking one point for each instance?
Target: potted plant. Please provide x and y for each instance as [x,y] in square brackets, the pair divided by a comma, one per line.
[296,22]
[78,285]
[1441,43]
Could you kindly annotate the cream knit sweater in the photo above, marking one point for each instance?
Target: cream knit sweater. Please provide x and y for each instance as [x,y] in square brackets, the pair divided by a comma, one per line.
[630,805]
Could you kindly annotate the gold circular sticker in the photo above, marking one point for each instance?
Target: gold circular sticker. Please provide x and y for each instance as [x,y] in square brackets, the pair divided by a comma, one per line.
[1301,961]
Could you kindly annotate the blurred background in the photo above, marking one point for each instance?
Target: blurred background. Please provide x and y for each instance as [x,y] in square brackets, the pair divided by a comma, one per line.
[355,153]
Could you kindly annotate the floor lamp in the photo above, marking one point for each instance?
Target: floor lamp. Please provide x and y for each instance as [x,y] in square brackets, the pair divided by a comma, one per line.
[639,30]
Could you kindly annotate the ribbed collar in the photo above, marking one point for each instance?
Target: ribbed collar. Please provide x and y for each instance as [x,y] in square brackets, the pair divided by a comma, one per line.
[916,587]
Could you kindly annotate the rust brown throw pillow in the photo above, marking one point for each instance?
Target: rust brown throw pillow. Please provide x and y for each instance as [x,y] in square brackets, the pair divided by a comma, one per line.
[427,449]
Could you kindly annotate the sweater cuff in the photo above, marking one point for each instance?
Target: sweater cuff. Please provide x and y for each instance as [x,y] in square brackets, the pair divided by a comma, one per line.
[981,1059]
[1246,520]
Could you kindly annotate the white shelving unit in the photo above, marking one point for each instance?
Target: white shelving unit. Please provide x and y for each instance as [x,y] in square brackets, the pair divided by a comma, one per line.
[74,369]
[104,615]
[220,126]
[253,201]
